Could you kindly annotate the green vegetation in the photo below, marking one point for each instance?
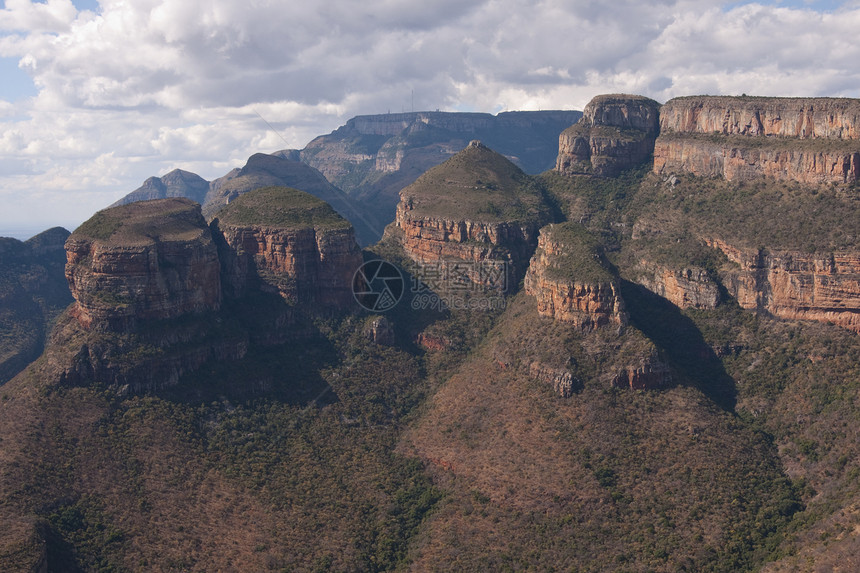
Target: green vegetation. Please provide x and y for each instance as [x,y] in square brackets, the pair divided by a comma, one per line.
[174,219]
[477,184]
[578,255]
[761,213]
[281,207]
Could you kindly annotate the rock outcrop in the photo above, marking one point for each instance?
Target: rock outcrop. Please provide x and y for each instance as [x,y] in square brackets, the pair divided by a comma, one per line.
[562,381]
[734,158]
[688,287]
[650,373]
[567,278]
[287,242]
[787,117]
[616,132]
[795,285]
[810,140]
[142,261]
[477,208]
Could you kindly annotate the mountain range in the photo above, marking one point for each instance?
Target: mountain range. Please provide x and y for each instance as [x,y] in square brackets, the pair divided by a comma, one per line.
[635,353]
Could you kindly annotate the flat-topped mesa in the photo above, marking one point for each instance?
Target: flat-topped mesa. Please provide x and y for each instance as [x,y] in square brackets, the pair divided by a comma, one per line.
[809,140]
[570,282]
[146,260]
[795,285]
[477,207]
[288,242]
[616,132]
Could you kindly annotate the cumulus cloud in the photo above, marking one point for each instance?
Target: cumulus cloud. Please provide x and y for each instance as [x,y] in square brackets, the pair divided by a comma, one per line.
[138,88]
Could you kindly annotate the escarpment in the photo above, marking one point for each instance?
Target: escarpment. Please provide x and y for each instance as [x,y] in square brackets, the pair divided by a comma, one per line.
[285,241]
[809,140]
[795,285]
[476,208]
[687,287]
[616,132]
[569,281]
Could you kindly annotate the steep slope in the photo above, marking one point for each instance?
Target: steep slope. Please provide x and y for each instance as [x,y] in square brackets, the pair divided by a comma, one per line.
[476,208]
[33,291]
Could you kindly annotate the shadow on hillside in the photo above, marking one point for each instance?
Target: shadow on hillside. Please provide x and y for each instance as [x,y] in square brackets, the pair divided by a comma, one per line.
[288,372]
[681,340]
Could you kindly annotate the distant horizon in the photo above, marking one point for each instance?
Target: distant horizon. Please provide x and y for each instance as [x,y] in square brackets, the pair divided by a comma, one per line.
[84,120]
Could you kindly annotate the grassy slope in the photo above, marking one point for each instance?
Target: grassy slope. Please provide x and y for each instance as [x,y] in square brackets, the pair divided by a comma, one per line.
[751,457]
[477,184]
[281,207]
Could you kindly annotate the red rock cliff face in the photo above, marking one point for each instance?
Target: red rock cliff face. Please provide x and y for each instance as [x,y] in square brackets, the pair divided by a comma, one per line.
[477,208]
[795,285]
[168,271]
[734,160]
[435,239]
[616,132]
[304,265]
[690,287]
[802,118]
[585,303]
[810,140]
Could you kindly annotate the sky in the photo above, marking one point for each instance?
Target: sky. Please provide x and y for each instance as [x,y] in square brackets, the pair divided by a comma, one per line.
[98,95]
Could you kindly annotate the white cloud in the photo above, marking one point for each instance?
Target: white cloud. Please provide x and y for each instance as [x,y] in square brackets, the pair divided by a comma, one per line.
[146,86]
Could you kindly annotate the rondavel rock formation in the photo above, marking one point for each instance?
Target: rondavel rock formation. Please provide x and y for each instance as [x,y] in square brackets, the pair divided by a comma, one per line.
[616,132]
[150,280]
[812,141]
[476,208]
[569,281]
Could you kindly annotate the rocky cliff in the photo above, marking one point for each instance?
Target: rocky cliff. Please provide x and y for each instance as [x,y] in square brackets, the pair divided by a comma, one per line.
[810,140]
[795,285]
[687,287]
[616,132]
[149,260]
[788,117]
[736,158]
[286,241]
[569,281]
[476,208]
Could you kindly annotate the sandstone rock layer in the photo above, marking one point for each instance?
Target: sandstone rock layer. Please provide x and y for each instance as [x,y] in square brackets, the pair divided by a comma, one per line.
[570,284]
[616,132]
[796,285]
[148,260]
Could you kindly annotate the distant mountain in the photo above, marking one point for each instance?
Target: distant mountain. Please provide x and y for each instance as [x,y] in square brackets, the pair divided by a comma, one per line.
[373,157]
[264,170]
[177,183]
[33,290]
[361,167]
